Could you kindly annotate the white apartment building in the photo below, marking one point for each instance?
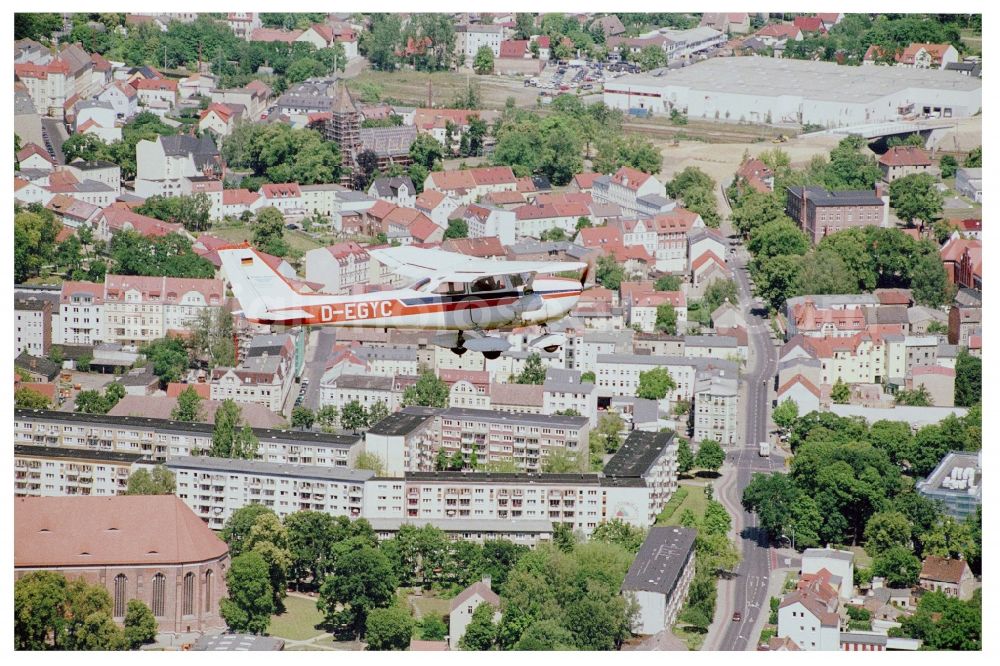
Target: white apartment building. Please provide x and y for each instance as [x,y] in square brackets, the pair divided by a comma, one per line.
[261,380]
[618,374]
[625,187]
[563,390]
[162,439]
[660,576]
[32,326]
[366,390]
[139,309]
[716,399]
[810,619]
[469,38]
[587,346]
[581,501]
[163,166]
[216,487]
[339,268]
[404,440]
[44,471]
[81,314]
[652,458]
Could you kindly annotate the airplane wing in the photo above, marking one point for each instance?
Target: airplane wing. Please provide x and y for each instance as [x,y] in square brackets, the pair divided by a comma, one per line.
[417,263]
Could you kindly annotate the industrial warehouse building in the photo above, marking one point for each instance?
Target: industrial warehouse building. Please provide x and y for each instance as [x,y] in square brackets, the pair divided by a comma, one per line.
[775,90]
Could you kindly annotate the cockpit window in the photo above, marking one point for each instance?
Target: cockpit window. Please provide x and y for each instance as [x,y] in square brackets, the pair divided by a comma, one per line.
[489,283]
[516,280]
[420,284]
[449,288]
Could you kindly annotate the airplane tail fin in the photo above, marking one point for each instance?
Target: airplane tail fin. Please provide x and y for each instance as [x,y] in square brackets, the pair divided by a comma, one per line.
[259,287]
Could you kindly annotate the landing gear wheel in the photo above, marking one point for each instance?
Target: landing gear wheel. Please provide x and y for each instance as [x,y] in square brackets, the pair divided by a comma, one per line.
[551,348]
[491,355]
[458,351]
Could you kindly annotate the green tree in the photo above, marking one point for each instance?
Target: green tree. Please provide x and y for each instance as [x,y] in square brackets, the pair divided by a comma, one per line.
[327,416]
[651,57]
[370,461]
[777,280]
[432,628]
[755,209]
[710,455]
[35,230]
[426,151]
[303,418]
[915,197]
[974,160]
[666,319]
[228,439]
[159,481]
[588,377]
[188,407]
[250,603]
[667,283]
[918,397]
[456,229]
[609,272]
[777,237]
[886,530]
[268,232]
[269,538]
[354,416]
[140,624]
[40,611]
[785,413]
[621,533]
[191,211]
[483,62]
[481,633]
[841,392]
[560,462]
[949,165]
[685,458]
[898,565]
[26,398]
[655,384]
[546,635]
[388,628]
[533,371]
[236,531]
[428,391]
[361,579]
[968,379]
[169,358]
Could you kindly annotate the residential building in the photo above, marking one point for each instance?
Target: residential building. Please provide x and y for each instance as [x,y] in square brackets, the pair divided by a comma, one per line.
[216,487]
[467,185]
[965,318]
[716,399]
[464,605]
[839,563]
[339,268]
[243,23]
[120,217]
[100,171]
[81,313]
[157,95]
[563,391]
[146,547]
[916,55]
[581,501]
[469,38]
[46,471]
[651,457]
[528,533]
[398,189]
[820,212]
[659,577]
[953,577]
[808,616]
[32,326]
[141,309]
[625,187]
[902,161]
[618,374]
[363,389]
[957,482]
[163,439]
[163,165]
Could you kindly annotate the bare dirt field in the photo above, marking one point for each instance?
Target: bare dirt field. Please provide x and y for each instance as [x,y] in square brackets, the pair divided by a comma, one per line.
[411,88]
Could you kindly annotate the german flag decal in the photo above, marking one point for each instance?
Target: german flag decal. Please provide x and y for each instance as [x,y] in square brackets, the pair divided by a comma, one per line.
[246,261]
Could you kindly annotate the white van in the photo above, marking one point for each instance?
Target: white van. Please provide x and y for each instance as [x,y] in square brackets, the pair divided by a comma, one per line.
[765,449]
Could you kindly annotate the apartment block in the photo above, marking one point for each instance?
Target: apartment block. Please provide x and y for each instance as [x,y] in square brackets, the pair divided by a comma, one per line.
[47,471]
[32,326]
[216,487]
[163,439]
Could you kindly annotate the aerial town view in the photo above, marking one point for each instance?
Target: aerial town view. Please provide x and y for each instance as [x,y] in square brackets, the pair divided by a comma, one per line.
[352,331]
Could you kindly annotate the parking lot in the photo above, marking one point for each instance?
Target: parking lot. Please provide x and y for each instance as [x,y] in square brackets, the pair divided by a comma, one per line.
[584,76]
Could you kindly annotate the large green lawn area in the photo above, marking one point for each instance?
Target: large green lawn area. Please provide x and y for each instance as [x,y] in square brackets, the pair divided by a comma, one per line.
[299,621]
[295,239]
[694,499]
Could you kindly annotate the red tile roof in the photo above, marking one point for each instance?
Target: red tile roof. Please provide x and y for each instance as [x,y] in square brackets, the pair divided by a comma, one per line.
[944,570]
[280,190]
[513,48]
[156,84]
[905,156]
[585,181]
[275,35]
[30,149]
[809,24]
[240,196]
[631,178]
[798,379]
[779,30]
[145,530]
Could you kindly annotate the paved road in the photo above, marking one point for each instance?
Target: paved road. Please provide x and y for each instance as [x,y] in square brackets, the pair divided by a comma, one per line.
[749,588]
[54,133]
[321,342]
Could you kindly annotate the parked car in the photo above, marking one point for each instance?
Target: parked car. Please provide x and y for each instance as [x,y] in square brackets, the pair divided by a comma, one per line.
[737,616]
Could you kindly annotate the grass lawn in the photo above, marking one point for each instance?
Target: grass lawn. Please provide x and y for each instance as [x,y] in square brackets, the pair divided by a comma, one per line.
[296,239]
[694,639]
[299,621]
[430,605]
[861,559]
[694,500]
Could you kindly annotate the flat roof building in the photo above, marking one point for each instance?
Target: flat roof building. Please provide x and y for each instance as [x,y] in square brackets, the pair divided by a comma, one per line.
[957,481]
[780,90]
[660,576]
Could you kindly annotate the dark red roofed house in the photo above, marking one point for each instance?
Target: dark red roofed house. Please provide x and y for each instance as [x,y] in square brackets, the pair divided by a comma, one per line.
[951,576]
[900,161]
[809,24]
[147,547]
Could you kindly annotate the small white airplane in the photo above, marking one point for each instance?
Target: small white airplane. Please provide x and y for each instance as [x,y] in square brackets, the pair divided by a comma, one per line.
[461,295]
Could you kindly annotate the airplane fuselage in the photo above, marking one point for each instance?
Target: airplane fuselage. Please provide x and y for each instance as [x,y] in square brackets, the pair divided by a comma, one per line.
[551,298]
